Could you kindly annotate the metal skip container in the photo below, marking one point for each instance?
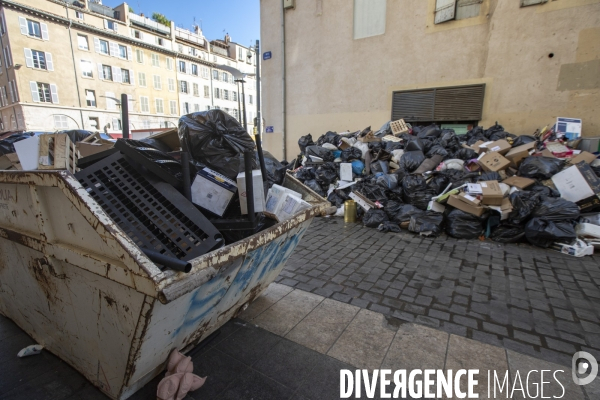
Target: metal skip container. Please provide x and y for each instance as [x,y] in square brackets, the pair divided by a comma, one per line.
[75,282]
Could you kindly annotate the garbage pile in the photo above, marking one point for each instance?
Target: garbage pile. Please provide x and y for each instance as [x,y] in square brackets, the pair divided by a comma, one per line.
[178,194]
[487,183]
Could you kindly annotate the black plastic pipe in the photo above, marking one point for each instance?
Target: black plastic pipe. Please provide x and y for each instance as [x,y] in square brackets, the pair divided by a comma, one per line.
[248,156]
[261,156]
[125,115]
[169,262]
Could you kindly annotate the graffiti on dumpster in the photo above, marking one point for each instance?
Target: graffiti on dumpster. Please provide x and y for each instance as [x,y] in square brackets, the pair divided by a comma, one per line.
[7,196]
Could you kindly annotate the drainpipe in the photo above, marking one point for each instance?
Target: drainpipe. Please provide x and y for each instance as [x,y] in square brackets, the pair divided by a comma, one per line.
[283,105]
[75,69]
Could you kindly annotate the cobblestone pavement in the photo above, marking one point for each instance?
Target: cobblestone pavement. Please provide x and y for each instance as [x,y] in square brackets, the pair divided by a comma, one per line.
[520,297]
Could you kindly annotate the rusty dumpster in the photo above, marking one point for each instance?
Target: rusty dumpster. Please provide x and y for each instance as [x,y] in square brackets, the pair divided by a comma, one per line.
[75,282]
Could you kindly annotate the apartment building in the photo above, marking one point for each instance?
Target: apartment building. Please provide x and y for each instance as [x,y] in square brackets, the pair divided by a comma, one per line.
[65,65]
[350,64]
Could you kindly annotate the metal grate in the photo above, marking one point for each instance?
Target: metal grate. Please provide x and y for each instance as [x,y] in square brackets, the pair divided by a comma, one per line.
[456,103]
[155,219]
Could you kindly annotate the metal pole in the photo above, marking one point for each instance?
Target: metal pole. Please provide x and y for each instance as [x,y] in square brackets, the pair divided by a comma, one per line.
[244,104]
[125,115]
[238,96]
[258,112]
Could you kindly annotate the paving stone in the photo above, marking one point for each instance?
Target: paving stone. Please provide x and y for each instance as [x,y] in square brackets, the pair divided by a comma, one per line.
[416,347]
[286,313]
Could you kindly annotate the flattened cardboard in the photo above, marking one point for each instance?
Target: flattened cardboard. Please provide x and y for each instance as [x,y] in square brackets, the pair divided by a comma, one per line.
[492,193]
[88,149]
[584,156]
[346,172]
[517,154]
[499,146]
[469,199]
[519,182]
[493,162]
[456,202]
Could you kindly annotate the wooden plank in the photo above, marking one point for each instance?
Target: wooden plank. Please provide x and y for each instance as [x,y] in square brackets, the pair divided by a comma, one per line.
[57,152]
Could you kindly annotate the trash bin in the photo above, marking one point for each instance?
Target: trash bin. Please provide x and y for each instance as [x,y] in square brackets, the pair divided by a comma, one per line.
[75,282]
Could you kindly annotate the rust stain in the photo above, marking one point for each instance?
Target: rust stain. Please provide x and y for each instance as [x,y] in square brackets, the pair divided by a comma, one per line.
[131,364]
[43,272]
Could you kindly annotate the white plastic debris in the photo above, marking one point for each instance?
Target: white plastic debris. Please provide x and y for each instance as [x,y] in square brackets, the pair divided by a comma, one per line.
[30,350]
[579,249]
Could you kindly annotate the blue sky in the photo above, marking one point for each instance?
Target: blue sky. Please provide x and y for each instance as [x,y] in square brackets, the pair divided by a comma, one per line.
[240,18]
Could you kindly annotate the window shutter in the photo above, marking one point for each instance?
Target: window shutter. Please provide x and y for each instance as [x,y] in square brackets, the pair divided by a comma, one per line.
[188,68]
[100,72]
[115,124]
[113,49]
[10,91]
[105,24]
[35,96]
[54,93]
[3,24]
[129,53]
[49,63]
[110,103]
[28,58]
[444,10]
[467,8]
[2,97]
[116,72]
[413,105]
[23,26]
[97,45]
[116,26]
[7,56]
[525,3]
[16,90]
[45,35]
[131,77]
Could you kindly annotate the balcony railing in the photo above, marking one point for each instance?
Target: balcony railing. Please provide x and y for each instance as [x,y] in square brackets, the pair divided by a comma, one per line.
[102,9]
[148,23]
[189,36]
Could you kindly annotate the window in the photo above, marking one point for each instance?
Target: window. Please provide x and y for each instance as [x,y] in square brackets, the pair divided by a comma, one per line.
[215,74]
[142,79]
[446,10]
[7,56]
[2,31]
[250,99]
[240,54]
[43,92]
[136,34]
[159,106]
[122,51]
[225,77]
[173,107]
[12,88]
[86,69]
[35,59]
[215,58]
[90,98]
[116,124]
[106,73]
[103,46]
[194,69]
[183,86]
[225,94]
[171,85]
[82,42]
[186,108]
[206,91]
[205,72]
[169,63]
[235,113]
[196,89]
[182,67]
[144,105]
[159,41]
[193,51]
[139,55]
[234,95]
[155,60]
[157,83]
[78,15]
[217,93]
[146,124]
[34,29]
[196,107]
[369,18]
[110,25]
[125,76]
[180,48]
[61,122]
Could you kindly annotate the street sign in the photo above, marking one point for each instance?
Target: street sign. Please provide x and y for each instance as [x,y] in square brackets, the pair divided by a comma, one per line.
[269,129]
[267,55]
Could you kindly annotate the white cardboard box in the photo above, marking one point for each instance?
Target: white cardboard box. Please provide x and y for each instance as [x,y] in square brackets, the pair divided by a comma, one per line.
[213,191]
[289,206]
[572,185]
[346,172]
[259,191]
[28,151]
[275,198]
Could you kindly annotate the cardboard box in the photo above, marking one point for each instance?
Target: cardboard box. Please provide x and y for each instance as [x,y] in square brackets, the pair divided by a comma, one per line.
[517,154]
[499,146]
[88,149]
[491,193]
[213,191]
[576,183]
[469,199]
[519,182]
[275,200]
[584,156]
[288,206]
[476,146]
[456,202]
[493,162]
[57,151]
[169,137]
[346,172]
[259,191]
[504,209]
[6,163]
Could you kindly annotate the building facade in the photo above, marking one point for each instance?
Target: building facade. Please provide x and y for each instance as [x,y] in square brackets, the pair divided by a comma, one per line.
[65,65]
[351,64]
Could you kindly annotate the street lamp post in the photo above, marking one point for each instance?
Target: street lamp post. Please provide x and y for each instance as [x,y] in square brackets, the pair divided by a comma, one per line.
[243,103]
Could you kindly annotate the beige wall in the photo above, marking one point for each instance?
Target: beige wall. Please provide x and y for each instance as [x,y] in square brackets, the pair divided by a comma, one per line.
[337,83]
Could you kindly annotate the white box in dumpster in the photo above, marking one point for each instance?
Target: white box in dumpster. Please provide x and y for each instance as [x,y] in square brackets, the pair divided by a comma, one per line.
[76,283]
[213,191]
[259,191]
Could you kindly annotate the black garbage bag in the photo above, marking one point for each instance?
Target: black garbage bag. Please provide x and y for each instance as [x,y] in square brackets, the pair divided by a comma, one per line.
[376,147]
[523,204]
[321,152]
[276,171]
[416,192]
[438,183]
[385,129]
[304,142]
[389,226]
[351,153]
[314,185]
[523,139]
[556,209]
[462,225]
[596,169]
[394,194]
[335,199]
[500,135]
[411,160]
[380,167]
[415,144]
[7,144]
[508,233]
[331,138]
[387,181]
[405,212]
[465,154]
[543,190]
[493,129]
[374,217]
[489,176]
[326,174]
[373,192]
[391,146]
[77,135]
[543,233]
[304,174]
[540,167]
[217,140]
[156,144]
[392,208]
[437,150]
[428,224]
[432,131]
